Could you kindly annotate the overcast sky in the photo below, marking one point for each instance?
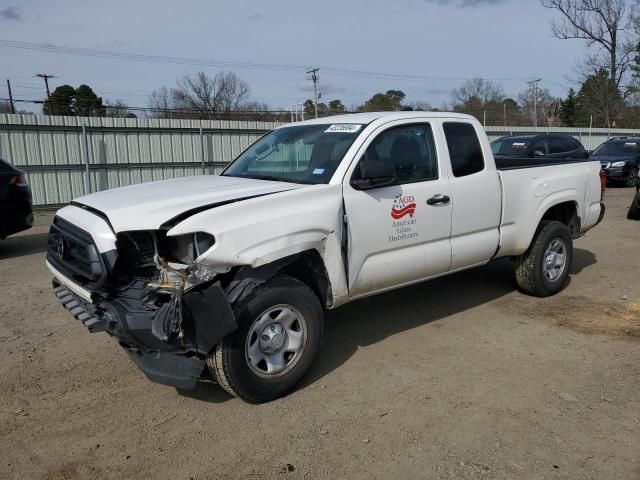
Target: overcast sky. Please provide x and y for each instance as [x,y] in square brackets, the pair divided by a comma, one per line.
[442,41]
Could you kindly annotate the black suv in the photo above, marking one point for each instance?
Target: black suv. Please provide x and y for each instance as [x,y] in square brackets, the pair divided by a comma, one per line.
[620,159]
[531,146]
[15,201]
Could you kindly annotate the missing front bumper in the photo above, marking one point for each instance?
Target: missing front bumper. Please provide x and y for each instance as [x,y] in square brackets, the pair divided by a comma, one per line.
[180,363]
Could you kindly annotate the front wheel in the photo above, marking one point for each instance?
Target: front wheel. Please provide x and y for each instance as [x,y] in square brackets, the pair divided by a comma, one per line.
[542,270]
[278,338]
[632,178]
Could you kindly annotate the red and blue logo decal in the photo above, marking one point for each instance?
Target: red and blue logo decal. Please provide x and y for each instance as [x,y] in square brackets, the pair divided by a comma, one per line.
[403,205]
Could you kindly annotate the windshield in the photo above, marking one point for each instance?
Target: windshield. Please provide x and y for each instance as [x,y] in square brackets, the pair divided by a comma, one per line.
[299,154]
[617,148]
[511,147]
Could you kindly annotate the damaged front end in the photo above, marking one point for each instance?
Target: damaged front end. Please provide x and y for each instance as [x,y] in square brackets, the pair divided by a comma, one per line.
[167,310]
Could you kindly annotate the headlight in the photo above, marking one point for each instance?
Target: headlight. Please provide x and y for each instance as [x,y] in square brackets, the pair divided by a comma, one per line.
[618,164]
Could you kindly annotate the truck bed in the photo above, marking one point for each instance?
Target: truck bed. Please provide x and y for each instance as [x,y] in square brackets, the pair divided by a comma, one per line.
[531,186]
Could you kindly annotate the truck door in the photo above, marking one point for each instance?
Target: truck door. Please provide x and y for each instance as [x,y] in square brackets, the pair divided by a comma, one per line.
[476,197]
[398,233]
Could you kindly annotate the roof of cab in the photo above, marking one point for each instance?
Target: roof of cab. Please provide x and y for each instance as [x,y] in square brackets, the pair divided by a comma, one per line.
[369,117]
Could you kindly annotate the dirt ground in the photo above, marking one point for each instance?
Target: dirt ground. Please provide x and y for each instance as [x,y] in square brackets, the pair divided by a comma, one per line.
[458,378]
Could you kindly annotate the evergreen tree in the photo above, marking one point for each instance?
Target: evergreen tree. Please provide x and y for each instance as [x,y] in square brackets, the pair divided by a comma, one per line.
[569,109]
[87,103]
[81,102]
[61,101]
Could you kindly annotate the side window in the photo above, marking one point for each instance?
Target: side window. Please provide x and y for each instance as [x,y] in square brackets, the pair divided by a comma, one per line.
[572,145]
[410,149]
[464,148]
[541,146]
[557,145]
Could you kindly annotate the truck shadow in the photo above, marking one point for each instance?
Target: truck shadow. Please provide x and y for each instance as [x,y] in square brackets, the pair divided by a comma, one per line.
[582,259]
[21,245]
[371,320]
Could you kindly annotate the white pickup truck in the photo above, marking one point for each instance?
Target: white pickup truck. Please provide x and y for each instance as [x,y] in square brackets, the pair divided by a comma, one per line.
[226,277]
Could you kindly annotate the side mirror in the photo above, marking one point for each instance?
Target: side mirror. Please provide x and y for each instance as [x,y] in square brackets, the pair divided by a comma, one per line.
[374,173]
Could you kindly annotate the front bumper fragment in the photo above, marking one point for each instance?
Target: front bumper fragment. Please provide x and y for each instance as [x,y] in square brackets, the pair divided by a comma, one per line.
[176,371]
[178,362]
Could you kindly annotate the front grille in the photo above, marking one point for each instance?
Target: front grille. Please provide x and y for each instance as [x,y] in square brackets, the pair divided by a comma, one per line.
[72,251]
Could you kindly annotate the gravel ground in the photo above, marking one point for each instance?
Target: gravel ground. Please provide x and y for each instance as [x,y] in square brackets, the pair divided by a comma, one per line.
[461,377]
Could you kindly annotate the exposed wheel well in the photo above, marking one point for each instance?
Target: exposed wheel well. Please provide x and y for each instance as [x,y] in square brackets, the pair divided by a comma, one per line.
[567,213]
[307,267]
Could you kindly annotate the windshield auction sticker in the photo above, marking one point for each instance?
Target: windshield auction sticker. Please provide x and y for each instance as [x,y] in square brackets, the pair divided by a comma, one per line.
[343,128]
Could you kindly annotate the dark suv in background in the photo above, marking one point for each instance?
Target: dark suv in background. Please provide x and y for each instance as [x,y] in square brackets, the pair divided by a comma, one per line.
[15,201]
[528,146]
[620,159]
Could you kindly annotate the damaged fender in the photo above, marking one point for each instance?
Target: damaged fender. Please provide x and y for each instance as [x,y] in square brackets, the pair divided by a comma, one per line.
[313,224]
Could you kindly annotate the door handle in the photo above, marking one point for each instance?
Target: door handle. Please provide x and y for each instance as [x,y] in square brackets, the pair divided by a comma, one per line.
[438,199]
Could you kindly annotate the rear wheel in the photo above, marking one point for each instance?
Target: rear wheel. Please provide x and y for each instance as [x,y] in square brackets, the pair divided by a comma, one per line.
[278,339]
[543,270]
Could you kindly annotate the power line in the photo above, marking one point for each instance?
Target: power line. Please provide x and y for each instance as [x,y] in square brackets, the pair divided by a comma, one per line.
[228,64]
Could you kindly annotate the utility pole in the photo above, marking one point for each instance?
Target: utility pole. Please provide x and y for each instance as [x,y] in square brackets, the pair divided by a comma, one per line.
[13,109]
[504,107]
[534,89]
[46,78]
[314,77]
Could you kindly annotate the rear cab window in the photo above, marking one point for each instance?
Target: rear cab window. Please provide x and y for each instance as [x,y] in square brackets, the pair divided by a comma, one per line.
[465,151]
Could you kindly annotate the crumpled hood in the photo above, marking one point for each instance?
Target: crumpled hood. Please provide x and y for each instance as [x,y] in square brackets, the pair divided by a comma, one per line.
[147,206]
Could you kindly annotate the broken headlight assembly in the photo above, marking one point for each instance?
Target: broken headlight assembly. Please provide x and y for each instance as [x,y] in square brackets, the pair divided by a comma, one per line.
[185,248]
[175,259]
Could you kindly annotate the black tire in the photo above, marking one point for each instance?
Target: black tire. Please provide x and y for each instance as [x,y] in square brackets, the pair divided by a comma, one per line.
[530,273]
[632,178]
[634,209]
[229,362]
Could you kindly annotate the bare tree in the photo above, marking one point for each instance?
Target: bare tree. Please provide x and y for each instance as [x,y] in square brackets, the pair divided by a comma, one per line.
[161,103]
[233,92]
[201,96]
[483,91]
[117,109]
[223,93]
[546,107]
[604,24]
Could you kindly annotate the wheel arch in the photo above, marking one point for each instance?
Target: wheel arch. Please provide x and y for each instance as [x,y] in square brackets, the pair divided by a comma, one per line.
[562,207]
[566,213]
[307,266]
